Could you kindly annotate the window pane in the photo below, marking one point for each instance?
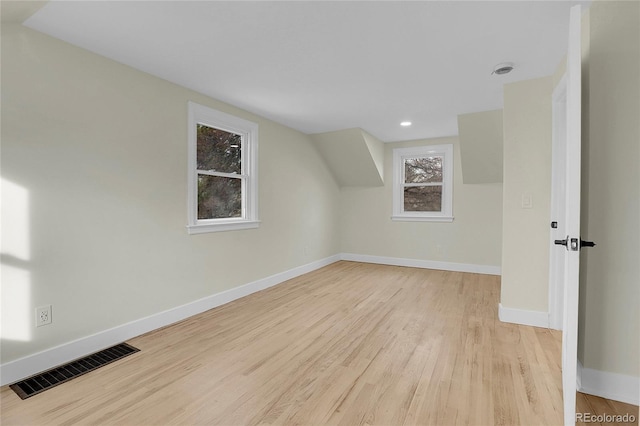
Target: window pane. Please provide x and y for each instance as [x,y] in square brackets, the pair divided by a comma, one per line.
[218,150]
[423,199]
[423,170]
[219,197]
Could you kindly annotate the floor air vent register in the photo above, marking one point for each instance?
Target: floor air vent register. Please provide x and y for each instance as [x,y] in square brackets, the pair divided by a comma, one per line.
[58,375]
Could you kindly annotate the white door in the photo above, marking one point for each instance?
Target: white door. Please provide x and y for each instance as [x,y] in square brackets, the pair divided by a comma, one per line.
[571,224]
[558,197]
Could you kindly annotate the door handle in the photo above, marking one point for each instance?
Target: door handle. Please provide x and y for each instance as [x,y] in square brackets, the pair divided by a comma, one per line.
[574,243]
[584,243]
[561,242]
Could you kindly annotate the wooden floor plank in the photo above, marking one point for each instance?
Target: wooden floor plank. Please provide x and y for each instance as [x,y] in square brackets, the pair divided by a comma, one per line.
[348,344]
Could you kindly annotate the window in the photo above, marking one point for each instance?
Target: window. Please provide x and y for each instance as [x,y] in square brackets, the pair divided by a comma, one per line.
[423,183]
[222,171]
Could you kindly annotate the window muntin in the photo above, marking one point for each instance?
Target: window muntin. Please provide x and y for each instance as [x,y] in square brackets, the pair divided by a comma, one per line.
[222,171]
[423,183]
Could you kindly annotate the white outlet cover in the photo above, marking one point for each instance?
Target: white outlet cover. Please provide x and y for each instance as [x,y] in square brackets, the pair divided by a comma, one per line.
[43,315]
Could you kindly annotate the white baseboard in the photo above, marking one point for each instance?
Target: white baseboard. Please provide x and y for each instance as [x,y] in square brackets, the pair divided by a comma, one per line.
[426,264]
[41,361]
[523,317]
[618,387]
[578,375]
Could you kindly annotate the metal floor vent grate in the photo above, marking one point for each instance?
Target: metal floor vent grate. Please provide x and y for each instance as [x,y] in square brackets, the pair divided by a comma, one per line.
[58,375]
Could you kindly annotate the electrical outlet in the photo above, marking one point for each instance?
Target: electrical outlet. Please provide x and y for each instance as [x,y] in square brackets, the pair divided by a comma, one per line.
[43,315]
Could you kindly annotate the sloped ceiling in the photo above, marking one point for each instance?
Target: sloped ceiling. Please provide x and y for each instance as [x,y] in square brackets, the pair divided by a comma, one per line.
[354,157]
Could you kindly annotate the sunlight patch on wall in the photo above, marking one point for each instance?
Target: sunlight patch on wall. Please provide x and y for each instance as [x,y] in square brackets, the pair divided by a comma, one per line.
[16,306]
[15,255]
[15,221]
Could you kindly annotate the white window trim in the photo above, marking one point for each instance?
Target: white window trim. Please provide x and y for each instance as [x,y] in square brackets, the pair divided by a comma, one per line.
[399,154]
[248,130]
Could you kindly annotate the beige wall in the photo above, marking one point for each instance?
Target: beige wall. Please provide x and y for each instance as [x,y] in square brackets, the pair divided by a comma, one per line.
[610,274]
[376,151]
[481,146]
[94,158]
[473,237]
[527,172]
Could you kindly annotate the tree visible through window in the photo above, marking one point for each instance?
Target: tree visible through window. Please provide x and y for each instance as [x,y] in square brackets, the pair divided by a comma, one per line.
[423,183]
[222,171]
[219,155]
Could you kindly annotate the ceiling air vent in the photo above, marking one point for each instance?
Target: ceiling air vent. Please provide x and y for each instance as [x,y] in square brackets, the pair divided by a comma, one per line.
[503,68]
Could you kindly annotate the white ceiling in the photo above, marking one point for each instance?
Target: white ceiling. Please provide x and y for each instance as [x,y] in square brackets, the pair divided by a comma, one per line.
[320,66]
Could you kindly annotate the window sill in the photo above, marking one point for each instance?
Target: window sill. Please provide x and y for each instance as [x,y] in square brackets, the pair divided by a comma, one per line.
[227,225]
[422,218]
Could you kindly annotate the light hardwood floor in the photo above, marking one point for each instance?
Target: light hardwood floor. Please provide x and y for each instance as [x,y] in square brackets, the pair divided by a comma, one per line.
[347,344]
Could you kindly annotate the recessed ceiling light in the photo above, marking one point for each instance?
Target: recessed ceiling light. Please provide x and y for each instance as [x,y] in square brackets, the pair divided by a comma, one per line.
[405,124]
[503,68]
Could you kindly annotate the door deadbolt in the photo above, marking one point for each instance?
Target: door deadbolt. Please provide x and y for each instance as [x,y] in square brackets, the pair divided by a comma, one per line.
[575,244]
